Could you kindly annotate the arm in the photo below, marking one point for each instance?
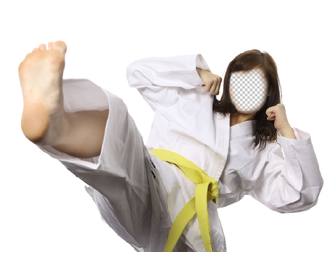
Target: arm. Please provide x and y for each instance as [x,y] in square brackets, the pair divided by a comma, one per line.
[162,80]
[174,71]
[286,178]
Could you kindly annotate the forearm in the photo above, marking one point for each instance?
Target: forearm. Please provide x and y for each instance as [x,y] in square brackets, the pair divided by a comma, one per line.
[201,71]
[78,133]
[287,132]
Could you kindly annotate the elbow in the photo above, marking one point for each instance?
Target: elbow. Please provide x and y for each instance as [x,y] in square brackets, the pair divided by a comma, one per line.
[130,70]
[306,201]
[138,76]
[295,209]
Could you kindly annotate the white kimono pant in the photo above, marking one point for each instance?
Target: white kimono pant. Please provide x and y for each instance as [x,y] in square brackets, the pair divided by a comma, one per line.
[123,180]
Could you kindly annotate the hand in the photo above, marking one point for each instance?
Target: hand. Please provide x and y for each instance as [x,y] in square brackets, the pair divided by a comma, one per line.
[211,82]
[277,114]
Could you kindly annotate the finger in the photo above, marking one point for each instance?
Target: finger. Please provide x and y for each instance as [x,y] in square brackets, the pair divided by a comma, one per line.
[208,86]
[269,110]
[213,87]
[218,86]
[271,116]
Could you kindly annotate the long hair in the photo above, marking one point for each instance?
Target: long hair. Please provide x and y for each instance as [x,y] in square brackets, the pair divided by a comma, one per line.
[264,129]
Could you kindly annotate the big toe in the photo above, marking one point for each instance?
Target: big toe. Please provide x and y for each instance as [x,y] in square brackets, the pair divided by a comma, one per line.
[59,45]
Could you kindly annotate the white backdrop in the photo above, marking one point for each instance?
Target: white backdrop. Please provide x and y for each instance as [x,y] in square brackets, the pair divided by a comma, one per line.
[51,229]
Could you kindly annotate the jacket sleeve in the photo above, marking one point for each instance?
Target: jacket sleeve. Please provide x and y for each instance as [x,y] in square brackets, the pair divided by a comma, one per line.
[287,177]
[161,80]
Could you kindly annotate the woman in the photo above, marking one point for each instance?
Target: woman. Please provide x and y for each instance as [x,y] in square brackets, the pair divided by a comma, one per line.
[146,193]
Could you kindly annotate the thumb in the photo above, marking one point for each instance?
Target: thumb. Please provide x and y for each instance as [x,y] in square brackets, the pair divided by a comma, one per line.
[269,110]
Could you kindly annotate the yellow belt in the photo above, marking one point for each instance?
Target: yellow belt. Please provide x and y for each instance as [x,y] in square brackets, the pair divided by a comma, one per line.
[206,189]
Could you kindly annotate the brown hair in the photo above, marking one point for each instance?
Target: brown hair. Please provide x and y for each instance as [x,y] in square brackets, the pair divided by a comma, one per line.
[264,129]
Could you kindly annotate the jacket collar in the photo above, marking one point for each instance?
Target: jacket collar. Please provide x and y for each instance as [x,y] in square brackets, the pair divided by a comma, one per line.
[245,128]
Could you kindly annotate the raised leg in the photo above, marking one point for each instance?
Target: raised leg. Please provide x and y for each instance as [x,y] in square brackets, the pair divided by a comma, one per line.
[43,117]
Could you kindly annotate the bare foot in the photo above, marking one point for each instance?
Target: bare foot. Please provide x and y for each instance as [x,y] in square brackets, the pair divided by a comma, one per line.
[41,75]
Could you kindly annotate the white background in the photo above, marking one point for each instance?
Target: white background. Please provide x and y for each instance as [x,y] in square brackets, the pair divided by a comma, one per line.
[49,226]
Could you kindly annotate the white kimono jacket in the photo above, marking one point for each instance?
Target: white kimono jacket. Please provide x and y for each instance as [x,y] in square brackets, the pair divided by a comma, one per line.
[285,176]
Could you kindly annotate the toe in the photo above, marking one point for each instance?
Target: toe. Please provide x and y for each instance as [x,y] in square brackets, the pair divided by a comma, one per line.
[61,46]
[42,47]
[50,45]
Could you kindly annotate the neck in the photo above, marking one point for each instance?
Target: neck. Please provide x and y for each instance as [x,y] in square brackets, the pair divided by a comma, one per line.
[236,118]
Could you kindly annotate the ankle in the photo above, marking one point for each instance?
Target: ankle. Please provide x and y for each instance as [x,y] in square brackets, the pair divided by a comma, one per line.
[41,127]
[57,130]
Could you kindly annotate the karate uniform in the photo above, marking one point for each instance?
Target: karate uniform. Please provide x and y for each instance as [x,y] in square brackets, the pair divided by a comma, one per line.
[139,195]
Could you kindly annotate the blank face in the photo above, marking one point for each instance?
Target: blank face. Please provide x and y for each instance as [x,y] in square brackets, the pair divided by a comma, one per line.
[248,90]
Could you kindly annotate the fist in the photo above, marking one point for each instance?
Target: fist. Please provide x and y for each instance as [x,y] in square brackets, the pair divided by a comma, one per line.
[211,82]
[277,114]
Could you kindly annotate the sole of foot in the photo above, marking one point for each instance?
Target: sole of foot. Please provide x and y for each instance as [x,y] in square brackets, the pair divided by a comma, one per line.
[41,74]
